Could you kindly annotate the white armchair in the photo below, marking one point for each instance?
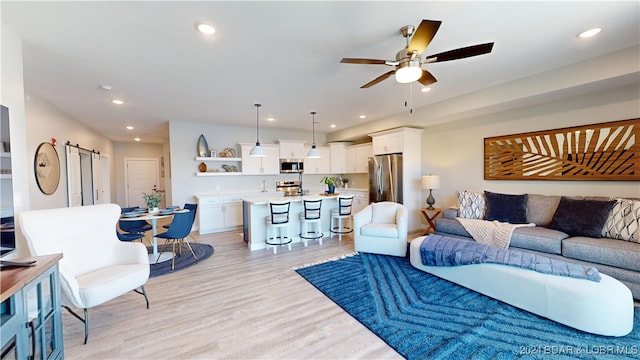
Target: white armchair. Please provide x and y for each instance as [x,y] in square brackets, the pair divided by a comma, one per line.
[381,228]
[95,267]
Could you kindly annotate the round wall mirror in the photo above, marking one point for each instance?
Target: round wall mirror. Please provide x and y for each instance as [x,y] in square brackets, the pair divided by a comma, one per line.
[47,168]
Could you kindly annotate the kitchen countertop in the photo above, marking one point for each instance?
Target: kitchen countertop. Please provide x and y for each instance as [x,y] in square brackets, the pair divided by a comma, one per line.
[265,199]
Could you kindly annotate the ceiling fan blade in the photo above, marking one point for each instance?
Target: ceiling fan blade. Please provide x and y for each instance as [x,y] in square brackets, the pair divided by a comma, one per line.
[426,79]
[423,36]
[378,79]
[461,53]
[363,61]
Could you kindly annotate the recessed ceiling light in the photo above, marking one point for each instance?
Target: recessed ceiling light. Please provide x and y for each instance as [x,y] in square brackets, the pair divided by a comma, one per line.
[332,126]
[271,119]
[205,28]
[425,89]
[130,127]
[589,33]
[136,139]
[363,116]
[106,87]
[117,101]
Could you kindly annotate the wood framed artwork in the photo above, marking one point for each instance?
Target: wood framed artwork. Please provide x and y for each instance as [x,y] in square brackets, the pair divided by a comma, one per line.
[46,167]
[605,151]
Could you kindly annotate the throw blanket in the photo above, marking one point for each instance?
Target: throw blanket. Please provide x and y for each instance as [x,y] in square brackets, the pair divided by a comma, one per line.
[492,233]
[438,250]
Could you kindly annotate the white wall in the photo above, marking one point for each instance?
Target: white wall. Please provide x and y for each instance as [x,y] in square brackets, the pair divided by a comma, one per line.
[183,140]
[45,122]
[12,96]
[455,151]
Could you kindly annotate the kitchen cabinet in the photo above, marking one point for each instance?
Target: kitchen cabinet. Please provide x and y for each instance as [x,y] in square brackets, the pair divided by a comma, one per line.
[30,311]
[219,213]
[292,149]
[388,143]
[321,165]
[357,158]
[267,165]
[360,199]
[338,155]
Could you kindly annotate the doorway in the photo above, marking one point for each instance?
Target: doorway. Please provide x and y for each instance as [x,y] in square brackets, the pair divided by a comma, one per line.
[141,176]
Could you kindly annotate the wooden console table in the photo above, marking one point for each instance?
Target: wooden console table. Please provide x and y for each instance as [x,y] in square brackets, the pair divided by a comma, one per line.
[430,215]
[30,311]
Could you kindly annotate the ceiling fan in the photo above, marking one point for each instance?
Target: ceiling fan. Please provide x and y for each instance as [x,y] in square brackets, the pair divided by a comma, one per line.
[408,62]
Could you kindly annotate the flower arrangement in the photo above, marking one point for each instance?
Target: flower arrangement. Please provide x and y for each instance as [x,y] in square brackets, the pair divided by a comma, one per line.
[153,199]
[344,181]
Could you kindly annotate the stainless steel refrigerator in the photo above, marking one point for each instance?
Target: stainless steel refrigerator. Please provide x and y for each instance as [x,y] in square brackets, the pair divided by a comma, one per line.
[385,178]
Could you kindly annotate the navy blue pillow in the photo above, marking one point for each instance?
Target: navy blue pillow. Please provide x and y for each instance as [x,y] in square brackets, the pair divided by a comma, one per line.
[581,217]
[506,208]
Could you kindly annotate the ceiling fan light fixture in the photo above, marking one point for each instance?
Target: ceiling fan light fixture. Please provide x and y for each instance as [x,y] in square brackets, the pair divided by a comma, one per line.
[408,74]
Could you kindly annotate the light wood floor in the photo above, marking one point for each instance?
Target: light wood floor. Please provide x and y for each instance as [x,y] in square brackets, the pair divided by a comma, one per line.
[235,305]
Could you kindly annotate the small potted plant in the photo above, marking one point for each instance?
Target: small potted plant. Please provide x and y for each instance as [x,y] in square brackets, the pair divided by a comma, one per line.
[345,182]
[330,181]
[152,200]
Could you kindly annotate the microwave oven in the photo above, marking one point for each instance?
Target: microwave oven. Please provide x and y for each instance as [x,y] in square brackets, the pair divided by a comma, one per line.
[291,166]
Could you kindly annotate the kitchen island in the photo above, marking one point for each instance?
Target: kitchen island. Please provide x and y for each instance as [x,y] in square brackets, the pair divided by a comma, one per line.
[255,211]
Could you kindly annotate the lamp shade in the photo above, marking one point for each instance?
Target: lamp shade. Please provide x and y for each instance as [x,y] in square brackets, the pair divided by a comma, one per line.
[313,153]
[431,182]
[257,151]
[408,74]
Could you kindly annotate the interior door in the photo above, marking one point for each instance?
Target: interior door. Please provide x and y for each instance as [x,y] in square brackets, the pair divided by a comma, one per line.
[141,175]
[74,178]
[96,166]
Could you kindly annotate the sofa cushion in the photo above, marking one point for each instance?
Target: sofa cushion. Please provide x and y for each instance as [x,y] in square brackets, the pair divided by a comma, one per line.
[622,254]
[538,239]
[506,208]
[540,208]
[623,222]
[379,230]
[470,204]
[581,217]
[383,213]
[450,226]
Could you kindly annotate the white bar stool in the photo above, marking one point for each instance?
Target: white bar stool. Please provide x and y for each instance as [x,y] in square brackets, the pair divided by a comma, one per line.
[310,225]
[340,215]
[278,225]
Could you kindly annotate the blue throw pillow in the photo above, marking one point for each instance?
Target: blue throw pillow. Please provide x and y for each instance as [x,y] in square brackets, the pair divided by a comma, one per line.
[506,208]
[581,217]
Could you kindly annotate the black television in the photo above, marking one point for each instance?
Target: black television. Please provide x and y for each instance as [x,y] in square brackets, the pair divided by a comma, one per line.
[7,229]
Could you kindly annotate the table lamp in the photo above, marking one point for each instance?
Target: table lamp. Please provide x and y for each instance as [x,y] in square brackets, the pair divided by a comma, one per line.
[430,182]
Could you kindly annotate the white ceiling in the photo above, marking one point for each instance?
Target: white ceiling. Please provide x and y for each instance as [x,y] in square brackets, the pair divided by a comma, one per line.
[286,56]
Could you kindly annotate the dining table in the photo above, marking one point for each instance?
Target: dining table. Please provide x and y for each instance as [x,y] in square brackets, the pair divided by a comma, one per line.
[155,256]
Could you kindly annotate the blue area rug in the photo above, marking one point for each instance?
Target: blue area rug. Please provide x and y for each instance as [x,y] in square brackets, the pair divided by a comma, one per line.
[202,251]
[424,317]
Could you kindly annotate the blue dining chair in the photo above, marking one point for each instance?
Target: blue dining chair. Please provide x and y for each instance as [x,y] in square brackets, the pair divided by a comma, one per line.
[133,226]
[178,231]
[192,208]
[129,236]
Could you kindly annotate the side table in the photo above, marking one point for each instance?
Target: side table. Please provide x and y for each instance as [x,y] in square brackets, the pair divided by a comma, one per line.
[430,215]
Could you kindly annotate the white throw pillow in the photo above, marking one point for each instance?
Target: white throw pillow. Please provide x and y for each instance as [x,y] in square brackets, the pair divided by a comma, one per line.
[623,222]
[470,205]
[383,213]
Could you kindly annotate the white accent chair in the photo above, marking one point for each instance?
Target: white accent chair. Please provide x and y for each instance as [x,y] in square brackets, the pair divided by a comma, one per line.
[95,266]
[381,228]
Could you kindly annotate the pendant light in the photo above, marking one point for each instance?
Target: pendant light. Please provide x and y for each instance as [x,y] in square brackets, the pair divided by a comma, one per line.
[257,150]
[313,153]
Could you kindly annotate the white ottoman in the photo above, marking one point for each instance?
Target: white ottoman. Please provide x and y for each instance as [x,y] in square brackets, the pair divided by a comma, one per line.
[604,308]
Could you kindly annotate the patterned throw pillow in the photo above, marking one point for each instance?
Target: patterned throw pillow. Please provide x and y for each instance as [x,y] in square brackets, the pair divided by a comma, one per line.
[623,222]
[470,204]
